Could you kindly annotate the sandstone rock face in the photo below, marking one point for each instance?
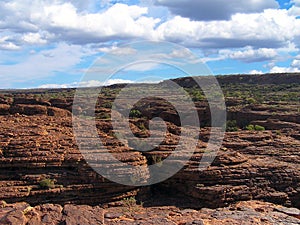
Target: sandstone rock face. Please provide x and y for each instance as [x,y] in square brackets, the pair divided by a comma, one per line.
[247,213]
[23,214]
[28,109]
[37,143]
[30,101]
[250,165]
[40,147]
[4,109]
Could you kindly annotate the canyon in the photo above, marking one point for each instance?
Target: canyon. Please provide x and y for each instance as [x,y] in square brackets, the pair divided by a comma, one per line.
[255,175]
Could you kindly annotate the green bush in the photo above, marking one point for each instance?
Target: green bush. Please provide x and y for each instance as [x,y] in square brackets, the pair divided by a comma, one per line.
[231,126]
[47,183]
[250,127]
[255,127]
[259,128]
[135,113]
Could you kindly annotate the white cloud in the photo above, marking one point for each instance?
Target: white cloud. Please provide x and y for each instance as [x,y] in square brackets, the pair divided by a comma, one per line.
[114,50]
[278,69]
[270,29]
[296,63]
[142,66]
[215,9]
[250,55]
[60,21]
[295,9]
[66,22]
[252,32]
[119,20]
[246,55]
[256,72]
[90,83]
[33,38]
[6,44]
[43,64]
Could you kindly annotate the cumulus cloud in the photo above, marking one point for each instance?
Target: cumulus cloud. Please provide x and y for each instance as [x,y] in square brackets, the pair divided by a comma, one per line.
[114,50]
[250,55]
[67,23]
[39,65]
[6,44]
[34,38]
[270,29]
[142,67]
[256,72]
[278,69]
[296,63]
[247,31]
[295,9]
[215,9]
[118,21]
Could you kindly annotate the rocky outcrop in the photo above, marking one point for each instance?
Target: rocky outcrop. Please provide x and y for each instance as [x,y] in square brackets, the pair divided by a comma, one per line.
[29,109]
[37,144]
[4,109]
[30,101]
[250,165]
[34,148]
[247,213]
[24,214]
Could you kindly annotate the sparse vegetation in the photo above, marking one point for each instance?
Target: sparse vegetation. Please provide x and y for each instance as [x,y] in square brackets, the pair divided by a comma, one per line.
[231,126]
[255,127]
[135,113]
[130,205]
[47,183]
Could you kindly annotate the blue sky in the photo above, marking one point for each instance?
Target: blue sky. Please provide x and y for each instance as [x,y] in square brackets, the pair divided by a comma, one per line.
[54,43]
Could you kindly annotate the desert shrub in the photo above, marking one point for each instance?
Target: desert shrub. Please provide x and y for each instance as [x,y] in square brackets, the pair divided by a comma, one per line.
[231,126]
[251,100]
[250,127]
[259,128]
[130,205]
[255,127]
[47,183]
[135,113]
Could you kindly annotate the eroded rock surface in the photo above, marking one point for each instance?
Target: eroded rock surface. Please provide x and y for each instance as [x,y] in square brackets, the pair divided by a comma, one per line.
[249,212]
[37,143]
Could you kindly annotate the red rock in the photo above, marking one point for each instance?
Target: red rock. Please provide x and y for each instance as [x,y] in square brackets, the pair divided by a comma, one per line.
[4,109]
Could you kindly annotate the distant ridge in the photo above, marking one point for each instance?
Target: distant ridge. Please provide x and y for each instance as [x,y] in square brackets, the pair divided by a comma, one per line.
[259,79]
[269,78]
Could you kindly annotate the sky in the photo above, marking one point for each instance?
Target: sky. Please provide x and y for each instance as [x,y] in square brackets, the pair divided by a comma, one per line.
[52,44]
